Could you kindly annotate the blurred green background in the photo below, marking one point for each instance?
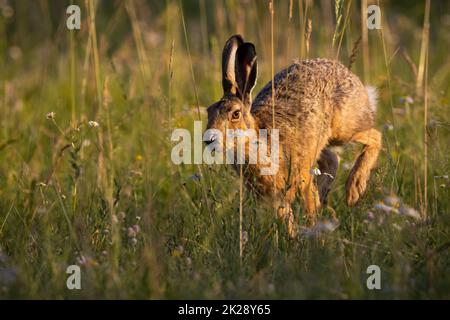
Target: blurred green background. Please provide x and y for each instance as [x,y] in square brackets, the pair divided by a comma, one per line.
[109,199]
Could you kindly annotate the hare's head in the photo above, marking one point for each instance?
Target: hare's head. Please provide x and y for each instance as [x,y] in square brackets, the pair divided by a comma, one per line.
[239,71]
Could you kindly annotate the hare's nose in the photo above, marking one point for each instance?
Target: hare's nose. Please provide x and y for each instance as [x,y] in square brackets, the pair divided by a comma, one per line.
[210,139]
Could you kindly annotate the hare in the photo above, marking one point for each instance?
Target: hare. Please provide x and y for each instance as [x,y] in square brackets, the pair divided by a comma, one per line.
[317,103]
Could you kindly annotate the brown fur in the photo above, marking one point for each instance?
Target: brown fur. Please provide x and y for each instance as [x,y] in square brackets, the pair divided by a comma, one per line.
[317,103]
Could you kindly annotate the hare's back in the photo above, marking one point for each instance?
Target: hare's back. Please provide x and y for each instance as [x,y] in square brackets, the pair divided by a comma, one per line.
[305,84]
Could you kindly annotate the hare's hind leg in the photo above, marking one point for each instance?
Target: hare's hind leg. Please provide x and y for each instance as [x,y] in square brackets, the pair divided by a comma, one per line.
[328,164]
[360,173]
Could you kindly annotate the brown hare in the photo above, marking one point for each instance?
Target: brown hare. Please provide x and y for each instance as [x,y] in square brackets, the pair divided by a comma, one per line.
[317,103]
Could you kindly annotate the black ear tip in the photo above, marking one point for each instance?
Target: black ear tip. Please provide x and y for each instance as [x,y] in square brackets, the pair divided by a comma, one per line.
[246,49]
[236,37]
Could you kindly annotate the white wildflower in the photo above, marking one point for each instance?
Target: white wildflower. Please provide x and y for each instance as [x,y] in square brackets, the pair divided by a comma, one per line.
[385,208]
[136,228]
[315,171]
[320,227]
[370,216]
[409,212]
[392,201]
[50,115]
[409,100]
[93,124]
[406,100]
[180,249]
[86,143]
[131,232]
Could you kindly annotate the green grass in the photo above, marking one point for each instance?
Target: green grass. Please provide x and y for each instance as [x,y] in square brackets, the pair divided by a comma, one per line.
[71,193]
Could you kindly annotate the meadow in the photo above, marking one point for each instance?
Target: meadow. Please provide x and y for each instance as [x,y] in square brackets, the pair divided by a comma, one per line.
[86,176]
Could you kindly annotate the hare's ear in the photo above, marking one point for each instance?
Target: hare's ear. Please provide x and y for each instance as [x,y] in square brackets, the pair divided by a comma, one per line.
[246,70]
[228,64]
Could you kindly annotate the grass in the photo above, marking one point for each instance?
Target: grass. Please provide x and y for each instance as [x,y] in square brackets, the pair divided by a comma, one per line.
[109,199]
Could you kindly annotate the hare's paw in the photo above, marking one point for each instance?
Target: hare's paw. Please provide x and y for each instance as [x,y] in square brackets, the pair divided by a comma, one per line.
[287,215]
[356,185]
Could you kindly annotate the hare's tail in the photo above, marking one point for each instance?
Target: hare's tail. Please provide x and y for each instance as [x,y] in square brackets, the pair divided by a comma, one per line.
[373,97]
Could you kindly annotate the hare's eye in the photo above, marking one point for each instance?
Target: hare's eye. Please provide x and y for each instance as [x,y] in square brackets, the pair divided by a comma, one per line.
[236,115]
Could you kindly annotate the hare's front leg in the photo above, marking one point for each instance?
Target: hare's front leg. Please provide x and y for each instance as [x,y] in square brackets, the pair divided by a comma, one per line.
[307,157]
[286,214]
[284,204]
[309,194]
[360,173]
